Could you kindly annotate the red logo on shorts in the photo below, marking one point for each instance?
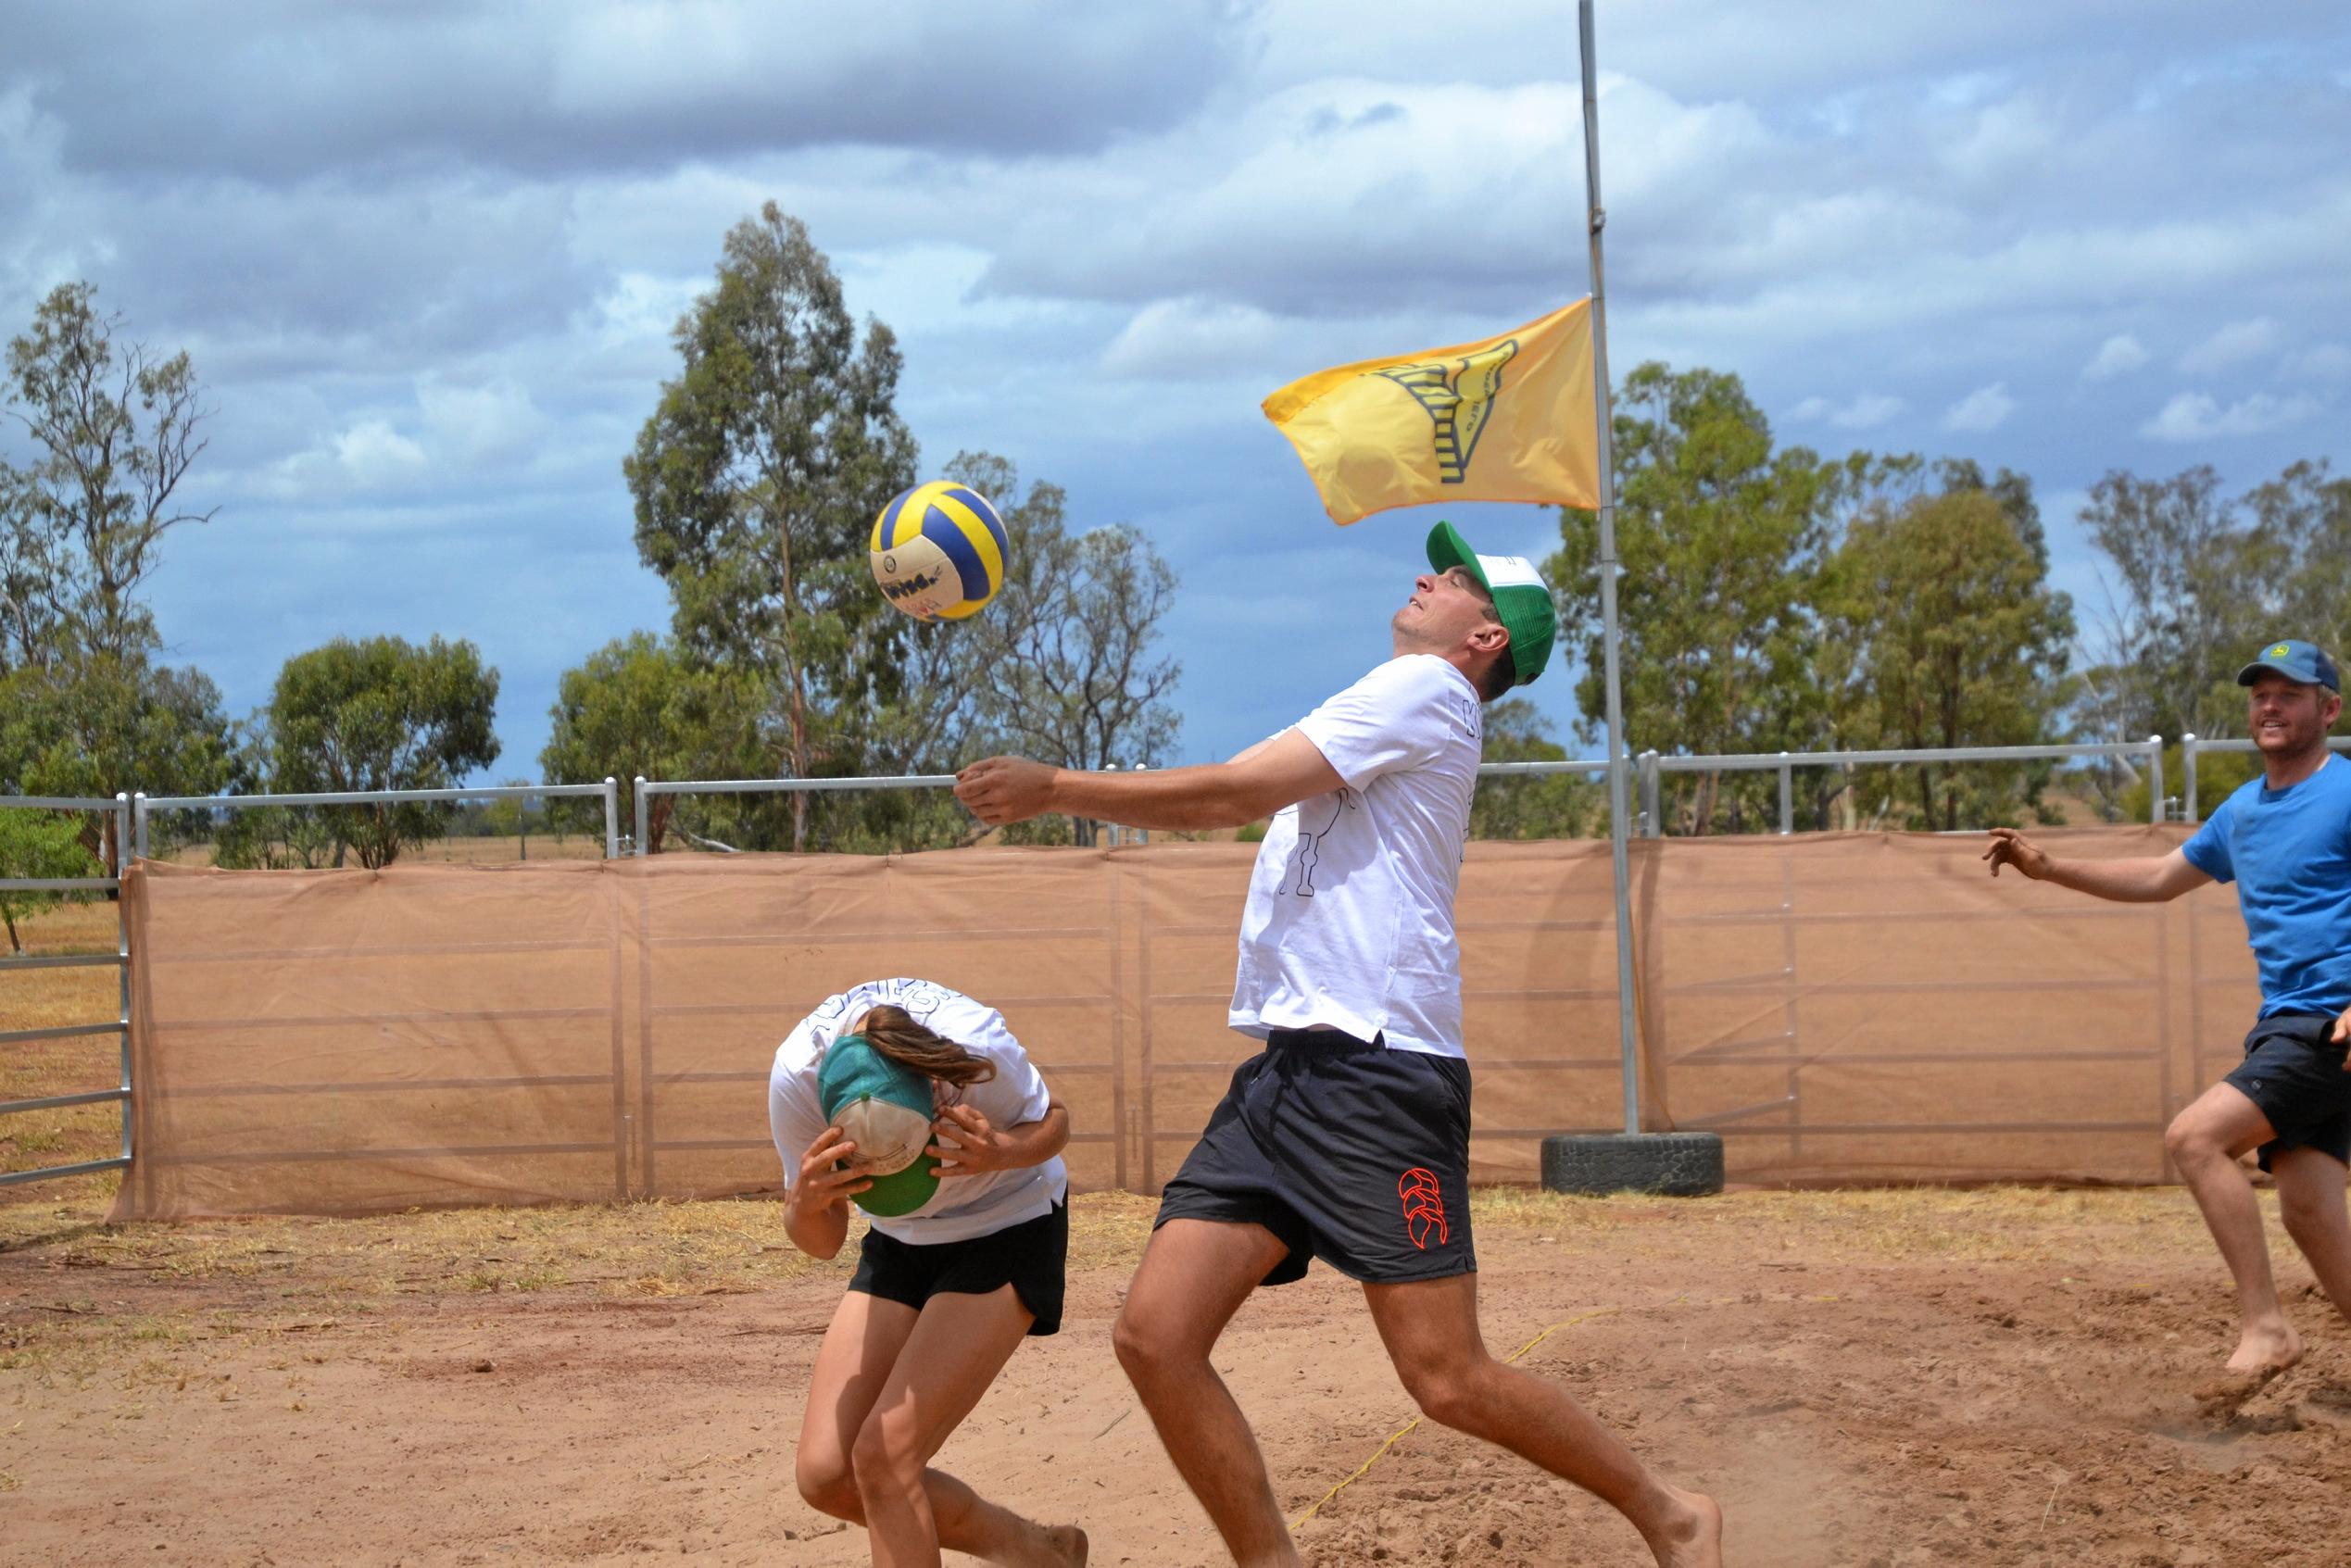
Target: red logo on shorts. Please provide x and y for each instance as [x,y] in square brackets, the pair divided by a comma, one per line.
[1424,1207]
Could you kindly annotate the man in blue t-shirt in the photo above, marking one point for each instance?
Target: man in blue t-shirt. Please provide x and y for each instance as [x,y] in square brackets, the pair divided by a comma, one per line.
[2284,839]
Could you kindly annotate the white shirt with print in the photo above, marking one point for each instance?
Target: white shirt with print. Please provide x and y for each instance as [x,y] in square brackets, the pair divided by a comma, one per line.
[963,1207]
[1350,920]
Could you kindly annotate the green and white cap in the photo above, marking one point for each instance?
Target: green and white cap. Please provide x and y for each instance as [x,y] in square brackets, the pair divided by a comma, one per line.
[886,1108]
[1522,598]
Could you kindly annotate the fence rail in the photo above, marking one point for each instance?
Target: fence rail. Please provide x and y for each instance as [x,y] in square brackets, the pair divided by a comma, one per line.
[130,814]
[608,791]
[118,810]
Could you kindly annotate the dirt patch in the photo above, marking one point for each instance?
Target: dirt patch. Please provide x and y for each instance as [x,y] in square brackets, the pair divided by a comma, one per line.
[1896,1379]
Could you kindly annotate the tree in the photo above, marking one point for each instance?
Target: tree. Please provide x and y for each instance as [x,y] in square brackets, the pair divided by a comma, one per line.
[2012,490]
[43,845]
[380,714]
[2302,548]
[81,526]
[2189,572]
[637,708]
[112,429]
[1720,537]
[1537,806]
[756,482]
[1064,672]
[1957,640]
[104,725]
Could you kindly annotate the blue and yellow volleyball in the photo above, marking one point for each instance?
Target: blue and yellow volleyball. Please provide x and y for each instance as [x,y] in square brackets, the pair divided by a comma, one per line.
[938,551]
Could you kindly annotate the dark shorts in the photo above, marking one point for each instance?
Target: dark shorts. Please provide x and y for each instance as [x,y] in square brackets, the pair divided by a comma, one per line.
[2296,1077]
[1032,1257]
[1347,1151]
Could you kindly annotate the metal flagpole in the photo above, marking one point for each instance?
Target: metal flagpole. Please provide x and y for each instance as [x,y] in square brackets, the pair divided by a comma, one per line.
[1619,803]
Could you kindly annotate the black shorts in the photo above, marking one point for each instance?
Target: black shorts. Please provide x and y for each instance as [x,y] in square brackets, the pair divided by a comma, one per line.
[1347,1151]
[2296,1077]
[1031,1256]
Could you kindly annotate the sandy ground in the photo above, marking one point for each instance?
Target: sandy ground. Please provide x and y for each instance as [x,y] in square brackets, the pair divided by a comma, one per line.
[1886,1379]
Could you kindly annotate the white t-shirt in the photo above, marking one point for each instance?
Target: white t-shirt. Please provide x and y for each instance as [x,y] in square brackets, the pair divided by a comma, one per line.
[1349,919]
[963,1207]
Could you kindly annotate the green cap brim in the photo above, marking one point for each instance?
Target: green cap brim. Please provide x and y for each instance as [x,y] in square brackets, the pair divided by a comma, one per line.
[900,1192]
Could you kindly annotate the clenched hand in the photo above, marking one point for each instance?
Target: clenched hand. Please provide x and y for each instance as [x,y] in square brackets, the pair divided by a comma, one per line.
[1005,789]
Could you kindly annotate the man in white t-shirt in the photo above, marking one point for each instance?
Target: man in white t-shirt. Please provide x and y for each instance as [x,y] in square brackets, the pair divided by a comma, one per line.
[1347,1139]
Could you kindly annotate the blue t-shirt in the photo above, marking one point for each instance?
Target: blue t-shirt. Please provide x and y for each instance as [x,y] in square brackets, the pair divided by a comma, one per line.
[2289,852]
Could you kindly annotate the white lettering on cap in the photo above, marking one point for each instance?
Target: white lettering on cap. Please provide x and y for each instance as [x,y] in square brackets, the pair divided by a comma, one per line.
[1510,571]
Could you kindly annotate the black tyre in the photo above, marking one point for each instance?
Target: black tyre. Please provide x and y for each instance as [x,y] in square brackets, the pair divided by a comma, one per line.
[1671,1164]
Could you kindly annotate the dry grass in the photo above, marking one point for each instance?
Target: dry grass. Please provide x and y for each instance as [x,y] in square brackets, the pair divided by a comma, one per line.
[43,998]
[93,1301]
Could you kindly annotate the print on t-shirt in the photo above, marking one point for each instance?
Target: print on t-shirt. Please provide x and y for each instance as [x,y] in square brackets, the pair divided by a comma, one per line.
[1315,818]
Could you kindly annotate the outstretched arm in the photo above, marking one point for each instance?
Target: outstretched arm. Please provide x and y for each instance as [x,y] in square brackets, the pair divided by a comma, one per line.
[2148,879]
[1261,781]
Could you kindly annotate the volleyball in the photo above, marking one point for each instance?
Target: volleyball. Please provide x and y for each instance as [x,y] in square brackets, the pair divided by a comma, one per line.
[938,551]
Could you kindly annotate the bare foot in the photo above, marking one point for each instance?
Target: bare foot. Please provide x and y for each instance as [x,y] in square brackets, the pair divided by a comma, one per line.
[2268,1348]
[1051,1546]
[2261,1355]
[1693,1540]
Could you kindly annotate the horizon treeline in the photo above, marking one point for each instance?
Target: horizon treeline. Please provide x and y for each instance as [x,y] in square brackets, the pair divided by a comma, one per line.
[1773,598]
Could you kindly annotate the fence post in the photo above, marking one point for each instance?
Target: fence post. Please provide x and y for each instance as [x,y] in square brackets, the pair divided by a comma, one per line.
[2188,789]
[139,820]
[122,831]
[1787,795]
[2155,778]
[1650,825]
[643,848]
[611,818]
[1142,836]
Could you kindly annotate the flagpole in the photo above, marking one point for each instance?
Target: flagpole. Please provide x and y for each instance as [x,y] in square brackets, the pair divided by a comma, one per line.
[1620,791]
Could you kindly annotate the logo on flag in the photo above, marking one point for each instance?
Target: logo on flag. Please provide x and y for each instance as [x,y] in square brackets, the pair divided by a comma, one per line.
[1458,396]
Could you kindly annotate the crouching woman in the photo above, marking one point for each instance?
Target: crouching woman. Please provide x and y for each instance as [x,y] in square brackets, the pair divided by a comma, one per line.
[964,1256]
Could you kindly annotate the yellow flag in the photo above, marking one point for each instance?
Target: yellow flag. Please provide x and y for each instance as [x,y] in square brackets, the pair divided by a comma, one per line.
[1505,419]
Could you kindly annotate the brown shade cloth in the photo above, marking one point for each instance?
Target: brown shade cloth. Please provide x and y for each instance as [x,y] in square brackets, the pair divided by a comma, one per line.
[1840,1006]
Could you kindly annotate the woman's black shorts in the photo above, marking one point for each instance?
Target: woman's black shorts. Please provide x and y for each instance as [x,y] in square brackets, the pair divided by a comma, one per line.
[1032,1257]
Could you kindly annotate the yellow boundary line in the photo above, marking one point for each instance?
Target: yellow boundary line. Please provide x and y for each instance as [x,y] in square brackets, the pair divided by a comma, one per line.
[1405,1430]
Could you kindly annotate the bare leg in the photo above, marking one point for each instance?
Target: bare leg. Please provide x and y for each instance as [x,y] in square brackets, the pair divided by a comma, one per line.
[2310,1195]
[2204,1142]
[1194,1278]
[1431,1329]
[867,1336]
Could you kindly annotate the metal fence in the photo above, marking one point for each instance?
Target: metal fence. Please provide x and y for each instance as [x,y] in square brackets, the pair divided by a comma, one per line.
[143,806]
[132,814]
[120,960]
[2191,748]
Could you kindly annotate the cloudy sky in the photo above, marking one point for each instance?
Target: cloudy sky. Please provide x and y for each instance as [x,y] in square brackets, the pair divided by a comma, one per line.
[426,255]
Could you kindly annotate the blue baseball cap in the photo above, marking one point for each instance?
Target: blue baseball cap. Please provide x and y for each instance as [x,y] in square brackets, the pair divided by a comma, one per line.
[2296,661]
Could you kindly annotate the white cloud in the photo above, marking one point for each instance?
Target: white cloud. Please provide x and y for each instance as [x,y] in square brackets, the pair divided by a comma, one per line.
[2232,345]
[2195,415]
[474,424]
[1866,411]
[1190,339]
[1987,408]
[2119,355]
[2321,361]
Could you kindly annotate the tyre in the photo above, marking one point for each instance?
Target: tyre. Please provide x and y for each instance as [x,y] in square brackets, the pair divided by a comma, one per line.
[1671,1164]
